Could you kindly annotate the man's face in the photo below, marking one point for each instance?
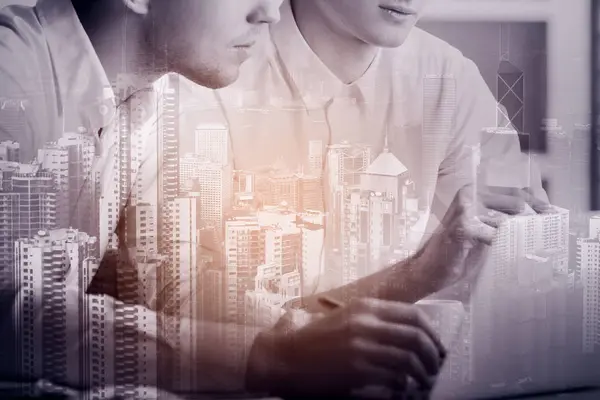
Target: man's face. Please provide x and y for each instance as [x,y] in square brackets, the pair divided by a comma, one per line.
[383,23]
[207,40]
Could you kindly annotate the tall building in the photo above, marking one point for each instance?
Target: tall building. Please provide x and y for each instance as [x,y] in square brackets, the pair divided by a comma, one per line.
[55,159]
[182,275]
[283,248]
[346,164]
[310,193]
[212,143]
[168,160]
[528,252]
[589,264]
[511,90]
[313,258]
[45,264]
[214,190]
[284,189]
[81,151]
[27,205]
[10,151]
[244,252]
[142,229]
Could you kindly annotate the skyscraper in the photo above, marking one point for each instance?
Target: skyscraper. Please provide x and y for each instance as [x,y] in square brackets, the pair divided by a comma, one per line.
[55,159]
[81,156]
[528,252]
[168,160]
[589,264]
[244,252]
[215,192]
[511,103]
[211,143]
[45,263]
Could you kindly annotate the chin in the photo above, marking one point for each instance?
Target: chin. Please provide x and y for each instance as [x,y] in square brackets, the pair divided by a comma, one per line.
[391,39]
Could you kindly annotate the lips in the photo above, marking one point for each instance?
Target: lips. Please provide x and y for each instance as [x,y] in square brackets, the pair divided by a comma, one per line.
[398,9]
[245,45]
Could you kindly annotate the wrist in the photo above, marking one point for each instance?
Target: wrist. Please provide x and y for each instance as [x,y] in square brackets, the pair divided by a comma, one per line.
[422,274]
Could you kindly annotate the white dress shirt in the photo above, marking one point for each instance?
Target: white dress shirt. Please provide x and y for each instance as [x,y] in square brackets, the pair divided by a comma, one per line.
[423,106]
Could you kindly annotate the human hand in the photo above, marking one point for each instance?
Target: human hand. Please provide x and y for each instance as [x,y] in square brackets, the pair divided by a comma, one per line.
[367,343]
[458,249]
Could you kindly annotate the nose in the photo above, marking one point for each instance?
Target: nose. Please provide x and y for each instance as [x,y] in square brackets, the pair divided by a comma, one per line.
[266,12]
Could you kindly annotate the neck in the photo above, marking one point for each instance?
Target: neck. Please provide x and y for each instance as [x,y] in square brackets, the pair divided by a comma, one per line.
[346,56]
[118,40]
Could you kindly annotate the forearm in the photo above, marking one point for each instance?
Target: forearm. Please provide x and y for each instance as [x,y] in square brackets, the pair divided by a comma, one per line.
[405,281]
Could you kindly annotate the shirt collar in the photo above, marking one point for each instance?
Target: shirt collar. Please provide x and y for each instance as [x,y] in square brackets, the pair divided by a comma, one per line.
[315,83]
[81,79]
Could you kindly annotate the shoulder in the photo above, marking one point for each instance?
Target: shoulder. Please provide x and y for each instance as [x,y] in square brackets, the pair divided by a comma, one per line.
[26,78]
[22,48]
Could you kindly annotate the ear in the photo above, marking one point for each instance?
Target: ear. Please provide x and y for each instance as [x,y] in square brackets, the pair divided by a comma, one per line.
[138,6]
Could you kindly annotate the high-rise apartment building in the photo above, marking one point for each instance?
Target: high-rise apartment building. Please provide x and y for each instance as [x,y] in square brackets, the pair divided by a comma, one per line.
[46,265]
[168,160]
[244,252]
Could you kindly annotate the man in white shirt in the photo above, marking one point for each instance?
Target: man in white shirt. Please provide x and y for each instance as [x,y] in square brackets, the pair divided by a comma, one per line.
[60,61]
[58,69]
[352,94]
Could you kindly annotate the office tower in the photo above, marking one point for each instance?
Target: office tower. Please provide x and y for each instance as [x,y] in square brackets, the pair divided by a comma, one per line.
[244,252]
[168,159]
[284,189]
[181,294]
[47,264]
[511,89]
[315,158]
[438,124]
[10,151]
[214,188]
[528,252]
[589,263]
[310,196]
[212,143]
